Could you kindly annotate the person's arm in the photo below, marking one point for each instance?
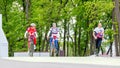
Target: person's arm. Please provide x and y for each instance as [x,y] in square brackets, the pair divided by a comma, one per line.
[48,33]
[36,34]
[25,35]
[94,35]
[103,34]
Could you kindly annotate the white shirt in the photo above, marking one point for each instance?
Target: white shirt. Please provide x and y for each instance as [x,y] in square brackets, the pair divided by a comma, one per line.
[97,30]
[55,32]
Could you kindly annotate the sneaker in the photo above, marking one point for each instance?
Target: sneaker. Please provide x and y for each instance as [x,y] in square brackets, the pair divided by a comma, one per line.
[34,47]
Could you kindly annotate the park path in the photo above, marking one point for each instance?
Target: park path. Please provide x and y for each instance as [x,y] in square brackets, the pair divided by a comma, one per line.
[92,61]
[4,63]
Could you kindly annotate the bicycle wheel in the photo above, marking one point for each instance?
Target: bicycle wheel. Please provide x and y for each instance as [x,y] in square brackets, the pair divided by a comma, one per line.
[51,51]
[31,50]
[56,48]
[56,52]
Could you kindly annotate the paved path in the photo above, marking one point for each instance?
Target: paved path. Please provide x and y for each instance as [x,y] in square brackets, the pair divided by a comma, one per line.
[59,62]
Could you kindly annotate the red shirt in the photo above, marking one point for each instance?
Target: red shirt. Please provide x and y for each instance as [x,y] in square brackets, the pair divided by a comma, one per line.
[31,31]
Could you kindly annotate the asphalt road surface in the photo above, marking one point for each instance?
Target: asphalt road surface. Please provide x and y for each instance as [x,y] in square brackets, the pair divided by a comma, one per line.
[16,63]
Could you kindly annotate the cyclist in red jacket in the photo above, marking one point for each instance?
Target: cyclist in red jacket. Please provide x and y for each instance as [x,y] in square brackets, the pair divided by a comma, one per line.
[31,31]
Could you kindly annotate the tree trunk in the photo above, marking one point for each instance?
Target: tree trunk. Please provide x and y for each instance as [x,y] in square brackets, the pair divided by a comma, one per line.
[47,44]
[117,12]
[44,41]
[75,39]
[79,41]
[39,42]
[86,44]
[23,4]
[40,38]
[27,10]
[43,44]
[110,49]
[68,40]
[64,48]
[92,47]
[5,10]
[115,29]
[111,43]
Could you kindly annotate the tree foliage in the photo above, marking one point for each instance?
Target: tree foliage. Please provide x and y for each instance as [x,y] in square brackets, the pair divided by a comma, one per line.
[75,18]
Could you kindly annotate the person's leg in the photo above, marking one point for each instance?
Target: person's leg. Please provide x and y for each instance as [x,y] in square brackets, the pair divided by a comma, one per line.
[34,43]
[28,45]
[28,42]
[51,46]
[51,39]
[96,50]
[56,45]
[99,44]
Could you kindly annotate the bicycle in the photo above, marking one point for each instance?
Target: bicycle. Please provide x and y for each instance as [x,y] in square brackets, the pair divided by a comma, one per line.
[54,49]
[31,48]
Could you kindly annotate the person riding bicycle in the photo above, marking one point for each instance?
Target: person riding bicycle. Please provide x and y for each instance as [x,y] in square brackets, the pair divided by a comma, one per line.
[98,34]
[53,36]
[31,31]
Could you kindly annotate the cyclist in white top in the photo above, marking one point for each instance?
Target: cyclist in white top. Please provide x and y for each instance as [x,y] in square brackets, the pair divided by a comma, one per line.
[53,34]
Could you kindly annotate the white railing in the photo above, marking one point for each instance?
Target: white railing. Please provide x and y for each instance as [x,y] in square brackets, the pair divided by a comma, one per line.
[3,41]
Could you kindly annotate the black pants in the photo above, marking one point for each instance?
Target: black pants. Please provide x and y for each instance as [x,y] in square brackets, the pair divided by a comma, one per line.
[98,44]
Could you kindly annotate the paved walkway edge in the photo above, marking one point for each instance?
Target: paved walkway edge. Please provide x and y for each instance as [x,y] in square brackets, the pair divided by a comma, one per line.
[75,60]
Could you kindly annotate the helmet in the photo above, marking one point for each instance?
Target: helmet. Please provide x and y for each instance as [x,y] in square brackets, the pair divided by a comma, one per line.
[32,24]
